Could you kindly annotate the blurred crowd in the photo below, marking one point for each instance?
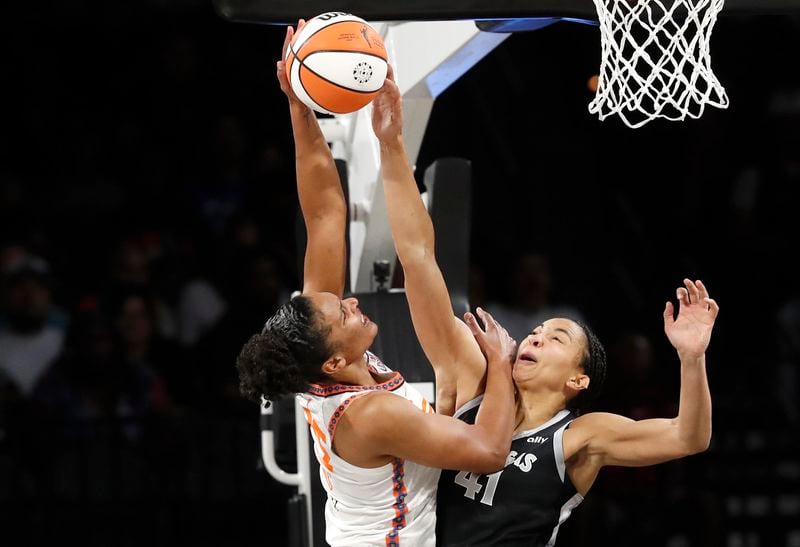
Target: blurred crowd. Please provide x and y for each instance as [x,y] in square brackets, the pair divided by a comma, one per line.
[126,349]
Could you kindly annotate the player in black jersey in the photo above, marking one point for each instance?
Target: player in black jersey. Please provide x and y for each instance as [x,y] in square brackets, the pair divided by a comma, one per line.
[556,454]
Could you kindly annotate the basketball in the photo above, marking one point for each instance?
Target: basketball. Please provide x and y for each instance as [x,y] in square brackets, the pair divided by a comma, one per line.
[337,63]
[593,82]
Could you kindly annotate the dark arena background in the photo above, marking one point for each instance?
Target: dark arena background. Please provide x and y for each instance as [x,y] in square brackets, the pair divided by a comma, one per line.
[147,189]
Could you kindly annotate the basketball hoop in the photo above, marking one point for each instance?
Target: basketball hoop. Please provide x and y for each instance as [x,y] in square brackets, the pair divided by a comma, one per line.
[656,60]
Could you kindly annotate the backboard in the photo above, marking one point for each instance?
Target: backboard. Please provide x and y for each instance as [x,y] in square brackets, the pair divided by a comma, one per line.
[289,11]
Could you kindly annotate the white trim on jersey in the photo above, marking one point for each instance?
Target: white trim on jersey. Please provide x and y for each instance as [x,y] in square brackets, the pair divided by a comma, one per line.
[561,414]
[558,449]
[469,405]
[566,511]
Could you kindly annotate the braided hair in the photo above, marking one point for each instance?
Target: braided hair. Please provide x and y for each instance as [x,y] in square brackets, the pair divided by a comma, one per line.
[594,366]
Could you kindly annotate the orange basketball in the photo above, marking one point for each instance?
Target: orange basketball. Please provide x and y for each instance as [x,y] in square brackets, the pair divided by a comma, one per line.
[337,63]
[592,83]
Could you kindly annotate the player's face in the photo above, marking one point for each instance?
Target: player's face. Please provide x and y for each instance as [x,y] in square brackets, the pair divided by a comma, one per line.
[351,332]
[550,355]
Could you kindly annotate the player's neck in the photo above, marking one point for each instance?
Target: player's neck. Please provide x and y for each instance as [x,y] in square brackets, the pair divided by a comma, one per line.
[534,409]
[357,373]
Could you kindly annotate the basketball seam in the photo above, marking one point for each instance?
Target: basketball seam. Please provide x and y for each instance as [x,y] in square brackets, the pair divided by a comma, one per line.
[302,63]
[300,76]
[344,51]
[315,73]
[320,30]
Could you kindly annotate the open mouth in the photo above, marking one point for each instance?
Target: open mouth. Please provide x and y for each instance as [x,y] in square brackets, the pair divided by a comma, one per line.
[526,359]
[364,319]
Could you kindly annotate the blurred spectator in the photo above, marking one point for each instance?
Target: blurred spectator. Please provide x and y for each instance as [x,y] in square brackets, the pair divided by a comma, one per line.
[256,292]
[200,307]
[530,299]
[131,268]
[32,328]
[142,350]
[70,388]
[204,298]
[195,275]
[107,370]
[130,265]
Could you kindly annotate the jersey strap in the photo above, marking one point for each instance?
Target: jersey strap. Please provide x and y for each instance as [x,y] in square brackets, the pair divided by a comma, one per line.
[394,382]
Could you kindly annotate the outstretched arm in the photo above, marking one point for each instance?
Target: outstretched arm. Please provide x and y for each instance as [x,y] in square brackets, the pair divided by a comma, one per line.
[457,360]
[320,192]
[621,441]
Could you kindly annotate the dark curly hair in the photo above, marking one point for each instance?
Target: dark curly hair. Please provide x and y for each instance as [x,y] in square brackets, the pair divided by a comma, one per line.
[594,366]
[287,355]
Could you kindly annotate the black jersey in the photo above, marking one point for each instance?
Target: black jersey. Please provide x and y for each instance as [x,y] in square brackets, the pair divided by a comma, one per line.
[523,504]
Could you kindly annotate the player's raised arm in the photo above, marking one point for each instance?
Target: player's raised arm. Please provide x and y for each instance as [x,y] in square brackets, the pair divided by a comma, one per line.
[457,360]
[620,441]
[319,189]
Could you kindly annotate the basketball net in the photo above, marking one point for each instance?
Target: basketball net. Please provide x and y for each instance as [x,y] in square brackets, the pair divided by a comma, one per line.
[656,60]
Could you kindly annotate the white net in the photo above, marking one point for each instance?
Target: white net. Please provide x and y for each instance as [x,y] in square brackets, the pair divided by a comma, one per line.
[656,60]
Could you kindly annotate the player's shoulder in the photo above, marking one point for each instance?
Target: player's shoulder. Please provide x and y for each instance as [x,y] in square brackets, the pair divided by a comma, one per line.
[372,408]
[380,416]
[586,427]
[594,421]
